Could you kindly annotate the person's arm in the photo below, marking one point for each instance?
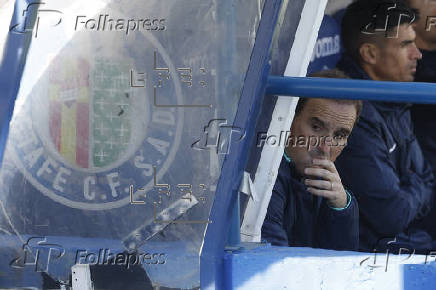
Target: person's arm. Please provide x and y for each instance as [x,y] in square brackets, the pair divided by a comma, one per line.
[386,202]
[338,228]
[273,230]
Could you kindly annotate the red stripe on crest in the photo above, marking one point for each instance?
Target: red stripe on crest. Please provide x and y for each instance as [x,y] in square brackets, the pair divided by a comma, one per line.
[55,123]
[82,134]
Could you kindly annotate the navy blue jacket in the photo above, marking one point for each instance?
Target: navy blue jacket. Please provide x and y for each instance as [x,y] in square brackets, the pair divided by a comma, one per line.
[384,167]
[297,218]
[424,116]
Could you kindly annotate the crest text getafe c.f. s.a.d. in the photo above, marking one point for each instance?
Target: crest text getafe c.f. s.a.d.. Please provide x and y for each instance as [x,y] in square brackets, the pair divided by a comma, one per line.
[85,136]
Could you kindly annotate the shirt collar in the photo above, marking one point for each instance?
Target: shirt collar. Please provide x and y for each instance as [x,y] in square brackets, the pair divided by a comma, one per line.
[287,158]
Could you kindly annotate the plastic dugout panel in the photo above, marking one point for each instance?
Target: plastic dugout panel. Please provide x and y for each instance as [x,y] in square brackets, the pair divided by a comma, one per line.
[122,121]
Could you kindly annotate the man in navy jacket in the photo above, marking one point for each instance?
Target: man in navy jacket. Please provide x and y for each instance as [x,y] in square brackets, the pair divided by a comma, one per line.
[383,163]
[424,116]
[309,206]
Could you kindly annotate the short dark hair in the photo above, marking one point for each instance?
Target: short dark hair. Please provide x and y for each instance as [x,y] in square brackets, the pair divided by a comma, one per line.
[336,74]
[369,20]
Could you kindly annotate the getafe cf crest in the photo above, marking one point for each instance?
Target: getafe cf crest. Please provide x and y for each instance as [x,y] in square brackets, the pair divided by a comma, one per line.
[85,136]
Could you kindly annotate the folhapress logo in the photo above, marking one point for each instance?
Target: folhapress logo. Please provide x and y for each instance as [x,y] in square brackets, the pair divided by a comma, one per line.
[218,136]
[38,253]
[27,25]
[392,15]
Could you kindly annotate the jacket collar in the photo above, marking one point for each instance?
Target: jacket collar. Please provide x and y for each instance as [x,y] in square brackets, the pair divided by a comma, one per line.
[290,165]
[351,68]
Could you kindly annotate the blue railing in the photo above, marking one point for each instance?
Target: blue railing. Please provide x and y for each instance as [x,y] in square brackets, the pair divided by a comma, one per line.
[406,92]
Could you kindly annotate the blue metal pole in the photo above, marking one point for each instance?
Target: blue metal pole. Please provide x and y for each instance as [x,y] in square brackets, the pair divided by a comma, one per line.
[234,239]
[12,64]
[212,272]
[406,92]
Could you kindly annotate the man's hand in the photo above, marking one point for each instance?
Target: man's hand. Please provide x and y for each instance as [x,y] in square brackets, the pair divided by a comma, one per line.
[330,187]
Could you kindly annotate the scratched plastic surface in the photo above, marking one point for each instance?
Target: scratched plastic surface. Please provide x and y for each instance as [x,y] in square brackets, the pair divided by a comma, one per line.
[120,128]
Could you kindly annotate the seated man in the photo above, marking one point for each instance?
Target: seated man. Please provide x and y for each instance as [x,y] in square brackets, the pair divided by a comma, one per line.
[424,116]
[383,164]
[309,207]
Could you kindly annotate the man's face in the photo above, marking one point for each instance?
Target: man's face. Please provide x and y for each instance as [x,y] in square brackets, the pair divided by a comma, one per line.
[425,27]
[397,57]
[327,124]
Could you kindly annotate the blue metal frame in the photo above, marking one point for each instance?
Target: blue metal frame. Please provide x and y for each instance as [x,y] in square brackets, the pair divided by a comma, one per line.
[234,239]
[11,68]
[211,260]
[352,89]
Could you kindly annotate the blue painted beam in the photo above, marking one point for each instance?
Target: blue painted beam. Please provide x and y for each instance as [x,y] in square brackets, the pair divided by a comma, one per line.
[406,92]
[234,239]
[12,65]
[271,267]
[212,256]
